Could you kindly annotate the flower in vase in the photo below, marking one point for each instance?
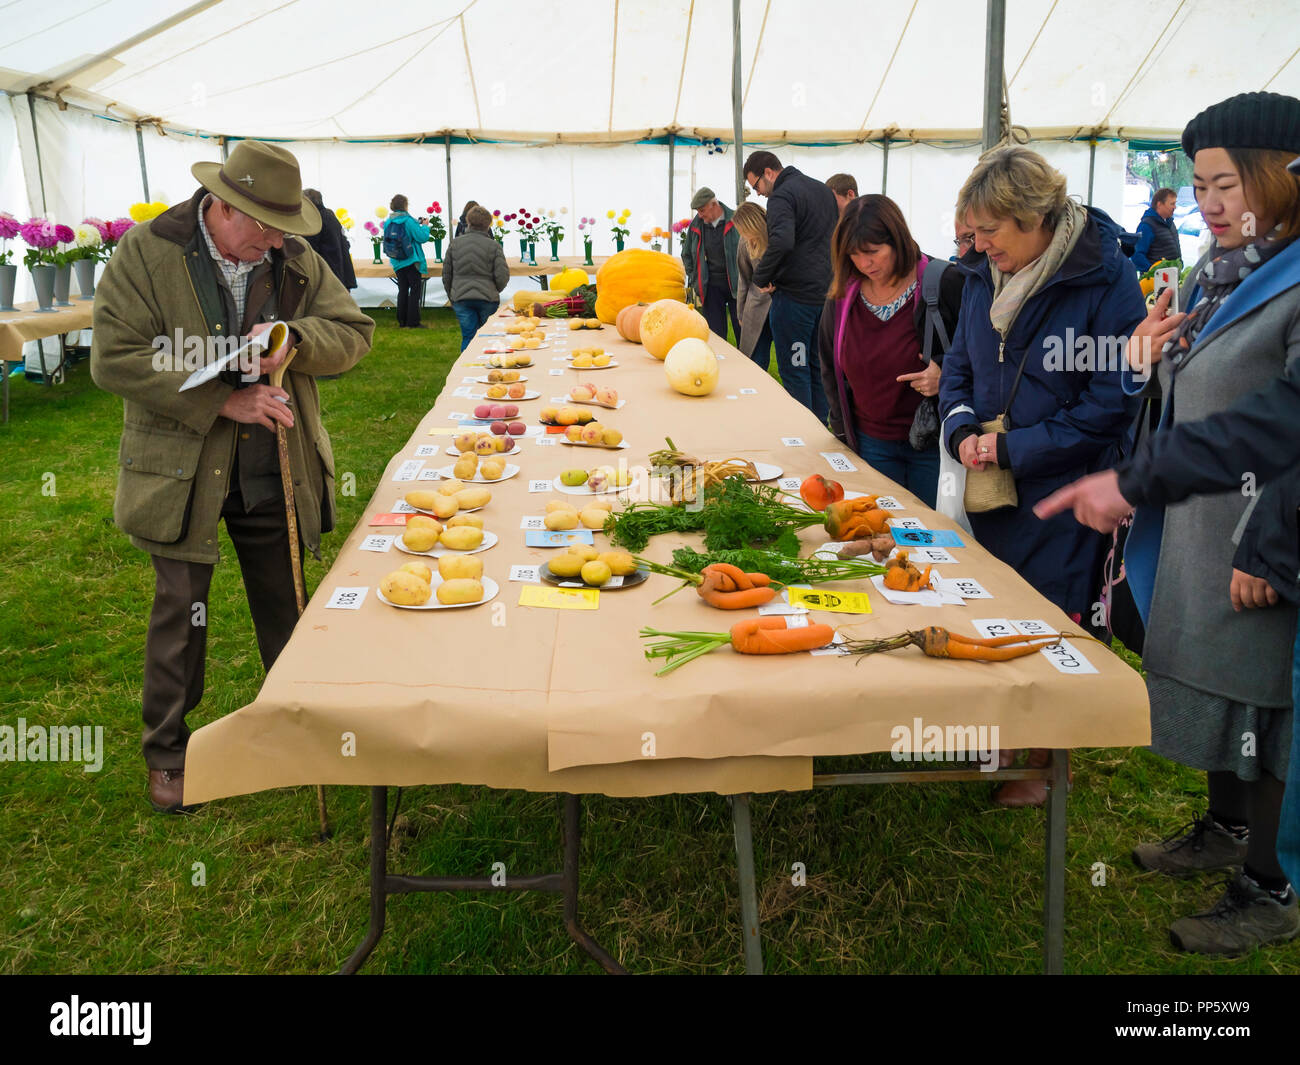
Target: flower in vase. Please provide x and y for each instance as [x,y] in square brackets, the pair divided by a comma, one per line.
[435,207]
[564,210]
[38,233]
[64,234]
[381,212]
[118,227]
[9,226]
[645,237]
[610,214]
[87,236]
[372,229]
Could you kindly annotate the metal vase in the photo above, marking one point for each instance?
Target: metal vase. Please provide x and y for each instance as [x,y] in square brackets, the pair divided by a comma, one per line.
[555,251]
[586,247]
[8,278]
[85,271]
[523,251]
[63,284]
[43,279]
[437,249]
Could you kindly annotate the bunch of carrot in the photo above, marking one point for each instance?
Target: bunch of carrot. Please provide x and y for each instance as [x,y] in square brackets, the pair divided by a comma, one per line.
[937,642]
[753,636]
[729,587]
[902,575]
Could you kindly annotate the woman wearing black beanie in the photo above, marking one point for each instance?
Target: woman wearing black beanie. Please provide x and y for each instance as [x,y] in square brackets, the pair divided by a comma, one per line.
[1219,640]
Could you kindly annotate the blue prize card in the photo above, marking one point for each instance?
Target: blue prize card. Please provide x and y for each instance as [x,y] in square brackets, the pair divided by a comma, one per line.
[927,538]
[559,539]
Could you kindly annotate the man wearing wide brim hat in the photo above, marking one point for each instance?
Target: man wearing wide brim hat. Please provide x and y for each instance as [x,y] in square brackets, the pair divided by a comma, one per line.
[194,283]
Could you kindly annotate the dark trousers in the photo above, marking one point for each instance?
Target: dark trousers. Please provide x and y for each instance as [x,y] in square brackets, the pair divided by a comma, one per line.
[408,295]
[176,646]
[471,314]
[794,335]
[719,304]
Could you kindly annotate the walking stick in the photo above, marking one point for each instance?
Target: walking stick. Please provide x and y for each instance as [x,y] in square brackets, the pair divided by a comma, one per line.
[277,337]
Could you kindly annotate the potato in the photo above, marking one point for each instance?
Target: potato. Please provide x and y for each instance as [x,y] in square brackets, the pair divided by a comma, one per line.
[595,573]
[450,487]
[461,538]
[458,567]
[473,498]
[444,506]
[404,589]
[594,517]
[620,563]
[566,564]
[464,519]
[465,468]
[421,500]
[560,504]
[562,520]
[583,551]
[423,521]
[604,504]
[455,592]
[419,539]
[492,469]
[420,570]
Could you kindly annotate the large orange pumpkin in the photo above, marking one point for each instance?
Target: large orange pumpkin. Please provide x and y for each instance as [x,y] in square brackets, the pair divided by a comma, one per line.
[665,322]
[637,276]
[628,322]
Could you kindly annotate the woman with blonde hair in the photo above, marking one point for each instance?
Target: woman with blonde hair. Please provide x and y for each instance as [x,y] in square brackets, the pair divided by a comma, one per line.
[1029,398]
[752,304]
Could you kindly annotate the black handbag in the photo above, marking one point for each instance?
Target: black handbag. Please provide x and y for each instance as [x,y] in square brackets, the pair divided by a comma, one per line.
[924,433]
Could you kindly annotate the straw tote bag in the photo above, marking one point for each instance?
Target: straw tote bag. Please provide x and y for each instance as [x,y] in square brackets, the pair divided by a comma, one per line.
[994,488]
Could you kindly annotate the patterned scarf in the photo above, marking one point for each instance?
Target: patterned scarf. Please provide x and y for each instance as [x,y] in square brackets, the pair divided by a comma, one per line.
[1012,291]
[1220,276]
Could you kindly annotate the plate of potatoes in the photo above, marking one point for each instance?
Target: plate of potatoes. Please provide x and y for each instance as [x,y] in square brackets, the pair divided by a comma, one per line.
[458,582]
[478,472]
[463,539]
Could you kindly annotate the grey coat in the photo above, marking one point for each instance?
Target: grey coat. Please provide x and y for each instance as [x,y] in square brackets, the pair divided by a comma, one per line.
[752,304]
[474,268]
[1193,634]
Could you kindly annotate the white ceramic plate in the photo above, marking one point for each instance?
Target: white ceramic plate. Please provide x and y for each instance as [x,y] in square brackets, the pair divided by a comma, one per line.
[583,490]
[495,455]
[490,539]
[505,399]
[484,381]
[768,472]
[510,471]
[490,591]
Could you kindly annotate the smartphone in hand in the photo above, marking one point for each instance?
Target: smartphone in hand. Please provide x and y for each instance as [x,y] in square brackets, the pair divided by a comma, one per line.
[1167,277]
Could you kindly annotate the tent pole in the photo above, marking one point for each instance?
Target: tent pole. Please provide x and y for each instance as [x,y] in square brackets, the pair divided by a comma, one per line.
[446,144]
[225,150]
[736,100]
[1092,165]
[994,47]
[36,140]
[884,168]
[672,153]
[144,172]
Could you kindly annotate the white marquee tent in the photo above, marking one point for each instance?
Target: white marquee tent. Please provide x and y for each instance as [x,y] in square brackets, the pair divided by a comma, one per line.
[589,105]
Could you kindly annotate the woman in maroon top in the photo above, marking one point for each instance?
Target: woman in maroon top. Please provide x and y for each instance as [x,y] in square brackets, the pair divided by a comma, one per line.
[871,342]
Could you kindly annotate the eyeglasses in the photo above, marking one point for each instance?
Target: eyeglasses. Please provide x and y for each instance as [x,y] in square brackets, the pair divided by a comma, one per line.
[266,229]
[964,242]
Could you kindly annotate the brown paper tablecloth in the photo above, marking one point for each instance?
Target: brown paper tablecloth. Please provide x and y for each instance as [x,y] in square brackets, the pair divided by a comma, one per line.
[562,700]
[370,268]
[26,323]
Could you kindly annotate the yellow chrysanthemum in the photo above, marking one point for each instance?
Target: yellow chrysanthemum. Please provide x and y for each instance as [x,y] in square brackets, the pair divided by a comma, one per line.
[609,214]
[381,212]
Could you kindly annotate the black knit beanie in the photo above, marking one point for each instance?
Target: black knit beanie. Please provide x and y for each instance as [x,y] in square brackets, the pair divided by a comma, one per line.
[1265,120]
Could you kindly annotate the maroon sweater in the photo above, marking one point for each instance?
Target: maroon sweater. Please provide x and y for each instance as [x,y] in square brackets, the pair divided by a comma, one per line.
[874,353]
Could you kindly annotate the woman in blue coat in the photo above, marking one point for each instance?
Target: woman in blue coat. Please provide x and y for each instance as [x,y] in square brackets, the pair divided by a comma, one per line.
[1048,307]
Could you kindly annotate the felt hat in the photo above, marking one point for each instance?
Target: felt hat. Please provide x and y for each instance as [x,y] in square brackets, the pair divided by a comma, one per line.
[703,195]
[263,181]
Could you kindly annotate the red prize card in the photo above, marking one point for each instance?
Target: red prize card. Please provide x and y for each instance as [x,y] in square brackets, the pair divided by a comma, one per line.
[388,519]
[556,429]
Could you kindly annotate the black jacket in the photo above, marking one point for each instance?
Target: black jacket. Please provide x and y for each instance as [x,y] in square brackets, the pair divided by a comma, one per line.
[801,216]
[332,245]
[1256,437]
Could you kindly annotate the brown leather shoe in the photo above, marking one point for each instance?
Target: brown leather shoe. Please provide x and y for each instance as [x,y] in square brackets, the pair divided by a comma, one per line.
[167,789]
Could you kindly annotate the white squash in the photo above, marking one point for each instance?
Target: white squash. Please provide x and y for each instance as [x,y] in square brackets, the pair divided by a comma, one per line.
[692,368]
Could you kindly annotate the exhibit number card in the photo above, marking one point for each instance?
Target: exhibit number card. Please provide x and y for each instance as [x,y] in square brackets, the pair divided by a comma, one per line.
[839,602]
[839,462]
[408,470]
[930,555]
[376,542]
[425,450]
[966,587]
[541,486]
[788,484]
[347,599]
[531,574]
[559,598]
[888,503]
[429,475]
[1064,656]
[749,391]
[906,523]
[792,441]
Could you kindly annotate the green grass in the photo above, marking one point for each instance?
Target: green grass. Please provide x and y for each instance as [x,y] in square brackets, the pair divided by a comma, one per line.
[900,879]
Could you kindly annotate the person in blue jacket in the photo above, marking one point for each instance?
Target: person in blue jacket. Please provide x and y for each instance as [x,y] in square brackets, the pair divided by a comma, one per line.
[1048,306]
[1213,576]
[1157,236]
[409,268]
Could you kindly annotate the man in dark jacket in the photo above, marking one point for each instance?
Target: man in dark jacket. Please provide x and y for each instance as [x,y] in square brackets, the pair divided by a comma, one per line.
[1157,234]
[331,243]
[710,249]
[474,272]
[796,269]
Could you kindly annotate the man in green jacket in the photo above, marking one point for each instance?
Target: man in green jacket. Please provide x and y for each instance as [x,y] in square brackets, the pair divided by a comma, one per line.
[198,278]
[710,247]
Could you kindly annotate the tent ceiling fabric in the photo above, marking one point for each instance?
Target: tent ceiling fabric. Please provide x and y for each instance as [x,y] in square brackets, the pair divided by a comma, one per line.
[598,70]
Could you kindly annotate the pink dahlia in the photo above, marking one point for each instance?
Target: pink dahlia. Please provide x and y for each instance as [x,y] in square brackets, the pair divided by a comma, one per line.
[64,234]
[9,226]
[117,228]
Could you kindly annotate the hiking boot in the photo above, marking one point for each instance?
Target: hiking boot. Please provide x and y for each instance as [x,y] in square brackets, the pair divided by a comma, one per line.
[1247,916]
[1203,846]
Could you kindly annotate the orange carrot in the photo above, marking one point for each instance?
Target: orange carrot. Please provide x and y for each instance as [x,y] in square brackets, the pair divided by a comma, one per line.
[735,573]
[738,600]
[769,636]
